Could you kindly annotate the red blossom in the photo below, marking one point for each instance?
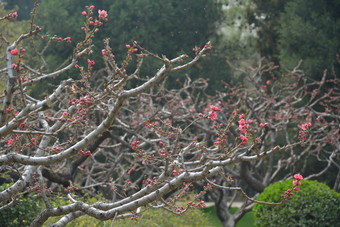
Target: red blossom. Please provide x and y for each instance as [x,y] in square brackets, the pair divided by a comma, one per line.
[244,139]
[102,14]
[215,108]
[15,15]
[212,115]
[10,142]
[298,176]
[14,51]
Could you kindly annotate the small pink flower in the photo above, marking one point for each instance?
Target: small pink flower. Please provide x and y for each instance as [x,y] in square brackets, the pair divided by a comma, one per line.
[241,116]
[268,82]
[76,66]
[14,51]
[103,52]
[296,183]
[214,108]
[135,49]
[212,115]
[306,126]
[102,14]
[10,142]
[261,125]
[242,121]
[84,13]
[298,176]
[128,46]
[15,15]
[22,125]
[244,139]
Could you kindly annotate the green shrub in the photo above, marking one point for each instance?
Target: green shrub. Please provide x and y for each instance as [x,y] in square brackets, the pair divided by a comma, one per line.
[315,204]
[21,213]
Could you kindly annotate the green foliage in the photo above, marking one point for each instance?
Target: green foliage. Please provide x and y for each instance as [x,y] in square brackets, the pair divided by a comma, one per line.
[25,7]
[310,30]
[20,214]
[10,30]
[264,15]
[315,204]
[164,27]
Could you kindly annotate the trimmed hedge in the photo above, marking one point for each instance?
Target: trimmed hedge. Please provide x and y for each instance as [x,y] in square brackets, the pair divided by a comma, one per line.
[315,204]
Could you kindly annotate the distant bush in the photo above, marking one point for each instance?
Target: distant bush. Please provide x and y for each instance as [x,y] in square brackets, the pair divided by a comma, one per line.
[315,204]
[20,214]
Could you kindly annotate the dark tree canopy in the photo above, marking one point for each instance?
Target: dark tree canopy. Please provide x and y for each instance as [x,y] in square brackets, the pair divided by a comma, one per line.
[164,27]
[310,30]
[265,16]
[24,7]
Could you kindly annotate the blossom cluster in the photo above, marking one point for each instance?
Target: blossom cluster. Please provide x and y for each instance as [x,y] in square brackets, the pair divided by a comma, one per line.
[303,134]
[296,184]
[243,127]
[213,113]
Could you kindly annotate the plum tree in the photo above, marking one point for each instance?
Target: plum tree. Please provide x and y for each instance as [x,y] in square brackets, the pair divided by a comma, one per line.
[127,135]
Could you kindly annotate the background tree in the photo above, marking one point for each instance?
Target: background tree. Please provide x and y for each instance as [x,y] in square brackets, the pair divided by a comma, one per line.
[24,7]
[265,17]
[309,30]
[170,27]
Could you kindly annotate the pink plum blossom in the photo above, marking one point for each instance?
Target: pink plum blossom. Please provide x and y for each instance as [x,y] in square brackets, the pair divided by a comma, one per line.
[14,51]
[10,142]
[102,14]
[214,108]
[244,139]
[298,176]
[212,115]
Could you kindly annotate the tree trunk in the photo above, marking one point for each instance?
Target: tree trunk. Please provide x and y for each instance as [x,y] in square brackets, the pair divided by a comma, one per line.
[222,210]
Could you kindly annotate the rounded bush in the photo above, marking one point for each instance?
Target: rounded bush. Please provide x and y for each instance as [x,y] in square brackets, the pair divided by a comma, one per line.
[315,204]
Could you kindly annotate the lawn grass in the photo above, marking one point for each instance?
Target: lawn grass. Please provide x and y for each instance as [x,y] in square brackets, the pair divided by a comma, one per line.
[247,220]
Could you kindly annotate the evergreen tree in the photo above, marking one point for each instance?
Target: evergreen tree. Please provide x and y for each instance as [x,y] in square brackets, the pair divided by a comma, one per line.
[310,30]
